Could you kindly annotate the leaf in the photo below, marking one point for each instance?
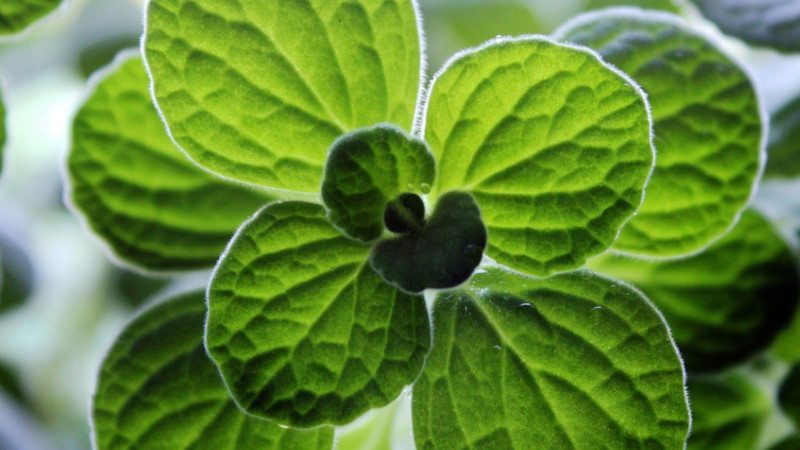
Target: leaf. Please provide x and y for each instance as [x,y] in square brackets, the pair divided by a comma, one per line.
[262,97]
[553,144]
[772,23]
[304,332]
[727,412]
[147,201]
[726,303]
[707,123]
[17,275]
[366,169]
[784,141]
[157,389]
[387,428]
[572,361]
[443,254]
[16,15]
[789,395]
[666,5]
[2,129]
[790,443]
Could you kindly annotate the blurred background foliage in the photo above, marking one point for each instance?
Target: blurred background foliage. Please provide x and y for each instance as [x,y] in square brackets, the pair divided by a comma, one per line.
[62,300]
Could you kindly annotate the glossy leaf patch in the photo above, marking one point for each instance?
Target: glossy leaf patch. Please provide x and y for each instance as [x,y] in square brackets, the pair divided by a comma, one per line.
[784,141]
[707,124]
[553,144]
[789,395]
[16,15]
[150,204]
[572,361]
[727,412]
[158,389]
[443,254]
[772,23]
[303,330]
[368,168]
[726,303]
[262,97]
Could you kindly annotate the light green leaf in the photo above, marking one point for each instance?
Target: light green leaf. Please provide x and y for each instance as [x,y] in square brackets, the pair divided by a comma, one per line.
[262,97]
[707,123]
[784,141]
[789,395]
[152,206]
[16,15]
[726,303]
[572,361]
[387,428]
[773,23]
[785,346]
[368,168]
[303,330]
[553,144]
[666,5]
[157,389]
[727,413]
[442,254]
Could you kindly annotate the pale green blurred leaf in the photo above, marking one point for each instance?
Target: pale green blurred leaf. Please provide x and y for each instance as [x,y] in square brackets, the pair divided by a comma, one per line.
[386,428]
[789,395]
[772,23]
[784,141]
[17,275]
[16,15]
[2,129]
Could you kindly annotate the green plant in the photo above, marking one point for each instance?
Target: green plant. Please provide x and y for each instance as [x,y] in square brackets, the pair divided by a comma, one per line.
[457,236]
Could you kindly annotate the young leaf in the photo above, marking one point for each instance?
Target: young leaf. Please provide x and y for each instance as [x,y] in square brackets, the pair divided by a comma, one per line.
[158,389]
[553,144]
[772,23]
[572,361]
[16,15]
[784,141]
[726,303]
[152,206]
[707,124]
[368,168]
[258,91]
[789,395]
[303,330]
[727,412]
[443,254]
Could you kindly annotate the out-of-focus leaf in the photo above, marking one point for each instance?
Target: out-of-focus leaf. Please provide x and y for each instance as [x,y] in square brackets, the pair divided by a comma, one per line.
[707,125]
[789,395]
[789,443]
[726,303]
[380,429]
[772,23]
[784,141]
[134,288]
[157,389]
[572,361]
[10,383]
[16,15]
[17,275]
[2,129]
[786,344]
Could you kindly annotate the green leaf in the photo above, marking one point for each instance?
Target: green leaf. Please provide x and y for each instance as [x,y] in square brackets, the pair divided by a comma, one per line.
[790,443]
[386,428]
[707,124]
[666,5]
[726,303]
[772,23]
[784,141]
[303,330]
[263,97]
[789,395]
[157,389]
[442,254]
[553,144]
[727,412]
[366,169]
[152,206]
[17,275]
[785,346]
[16,15]
[572,361]
[2,129]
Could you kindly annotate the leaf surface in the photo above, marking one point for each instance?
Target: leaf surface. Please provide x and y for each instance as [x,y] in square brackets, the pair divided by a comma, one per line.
[150,204]
[16,15]
[262,96]
[784,141]
[2,130]
[553,144]
[158,389]
[303,330]
[789,395]
[772,23]
[17,275]
[572,361]
[707,124]
[726,303]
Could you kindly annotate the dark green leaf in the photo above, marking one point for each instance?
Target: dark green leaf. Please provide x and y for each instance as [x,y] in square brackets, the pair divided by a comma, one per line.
[574,361]
[789,395]
[16,15]
[17,275]
[790,443]
[726,303]
[157,389]
[784,141]
[303,330]
[707,124]
[443,254]
[772,23]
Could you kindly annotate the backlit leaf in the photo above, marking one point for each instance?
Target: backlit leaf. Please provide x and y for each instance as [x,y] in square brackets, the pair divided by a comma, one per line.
[258,90]
[16,15]
[772,23]
[789,395]
[152,206]
[553,144]
[158,389]
[303,330]
[707,124]
[572,361]
[725,303]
